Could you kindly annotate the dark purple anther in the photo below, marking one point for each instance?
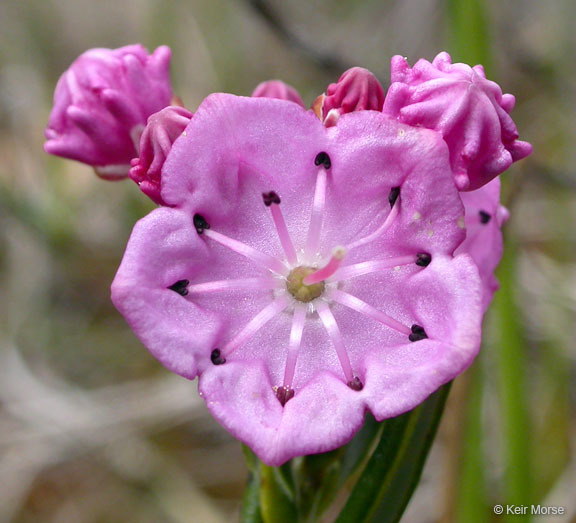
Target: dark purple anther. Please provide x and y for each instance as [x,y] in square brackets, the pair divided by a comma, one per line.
[217,358]
[270,198]
[284,394]
[423,259]
[200,223]
[355,384]
[393,196]
[180,287]
[485,217]
[323,159]
[418,333]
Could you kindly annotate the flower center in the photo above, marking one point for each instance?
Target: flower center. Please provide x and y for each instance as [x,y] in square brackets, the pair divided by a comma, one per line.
[294,280]
[299,289]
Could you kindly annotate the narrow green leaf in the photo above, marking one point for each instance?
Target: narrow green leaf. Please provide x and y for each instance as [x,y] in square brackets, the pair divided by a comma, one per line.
[392,472]
[357,451]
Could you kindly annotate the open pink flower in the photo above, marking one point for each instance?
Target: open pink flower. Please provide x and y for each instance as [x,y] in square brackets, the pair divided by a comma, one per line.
[161,131]
[279,90]
[484,220]
[468,110]
[356,90]
[305,273]
[101,105]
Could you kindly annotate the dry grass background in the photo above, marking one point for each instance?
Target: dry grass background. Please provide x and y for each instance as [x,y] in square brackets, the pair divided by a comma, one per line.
[91,428]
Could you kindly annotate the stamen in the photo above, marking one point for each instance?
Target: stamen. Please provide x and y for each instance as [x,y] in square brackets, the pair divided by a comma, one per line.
[343,298]
[418,333]
[264,260]
[423,259]
[355,384]
[200,223]
[216,357]
[393,195]
[283,394]
[255,324]
[485,217]
[272,200]
[367,267]
[232,285]
[380,231]
[334,333]
[298,321]
[323,159]
[331,267]
[181,287]
[317,213]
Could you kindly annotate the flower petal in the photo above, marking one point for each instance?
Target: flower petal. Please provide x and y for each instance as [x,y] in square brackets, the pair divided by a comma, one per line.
[484,220]
[164,249]
[322,416]
[371,154]
[446,299]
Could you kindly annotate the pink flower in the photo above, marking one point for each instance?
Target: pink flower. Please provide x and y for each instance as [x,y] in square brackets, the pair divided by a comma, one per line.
[468,110]
[356,90]
[484,220]
[101,104]
[279,90]
[305,273]
[160,133]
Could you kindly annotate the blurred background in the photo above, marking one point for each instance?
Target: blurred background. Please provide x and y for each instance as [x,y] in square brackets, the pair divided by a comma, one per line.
[92,429]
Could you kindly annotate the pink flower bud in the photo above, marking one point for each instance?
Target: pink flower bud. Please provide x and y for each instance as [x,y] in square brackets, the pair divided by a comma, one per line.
[101,104]
[356,90]
[160,133]
[469,111]
[277,89]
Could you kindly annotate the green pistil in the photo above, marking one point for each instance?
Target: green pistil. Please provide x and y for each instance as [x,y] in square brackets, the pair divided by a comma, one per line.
[301,292]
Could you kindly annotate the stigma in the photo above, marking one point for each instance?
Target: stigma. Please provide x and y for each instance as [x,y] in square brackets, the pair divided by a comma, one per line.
[298,289]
